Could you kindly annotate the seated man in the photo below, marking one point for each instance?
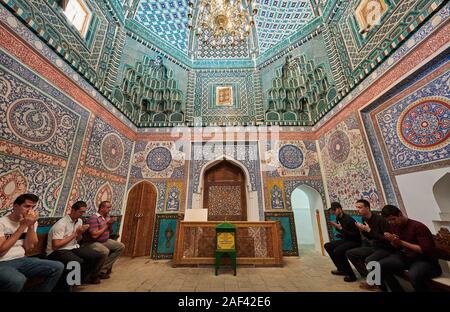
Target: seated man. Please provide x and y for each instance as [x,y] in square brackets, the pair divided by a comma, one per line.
[416,252]
[374,245]
[350,238]
[63,246]
[18,235]
[100,228]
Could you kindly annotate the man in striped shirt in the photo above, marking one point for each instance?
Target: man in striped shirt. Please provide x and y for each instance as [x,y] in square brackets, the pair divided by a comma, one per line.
[100,228]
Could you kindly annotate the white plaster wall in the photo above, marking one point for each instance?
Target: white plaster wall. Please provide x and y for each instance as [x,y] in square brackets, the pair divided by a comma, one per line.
[315,203]
[416,190]
[303,216]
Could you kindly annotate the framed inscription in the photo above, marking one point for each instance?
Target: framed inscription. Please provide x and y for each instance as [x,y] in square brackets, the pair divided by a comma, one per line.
[225,241]
[224,96]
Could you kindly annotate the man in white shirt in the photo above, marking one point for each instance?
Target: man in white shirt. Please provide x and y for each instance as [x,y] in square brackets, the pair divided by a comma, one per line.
[62,245]
[18,235]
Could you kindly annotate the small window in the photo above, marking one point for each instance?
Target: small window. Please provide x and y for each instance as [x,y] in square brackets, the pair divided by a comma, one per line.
[79,15]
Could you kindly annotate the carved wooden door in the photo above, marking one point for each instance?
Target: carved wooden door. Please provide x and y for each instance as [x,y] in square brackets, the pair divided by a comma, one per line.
[139,218]
[224,193]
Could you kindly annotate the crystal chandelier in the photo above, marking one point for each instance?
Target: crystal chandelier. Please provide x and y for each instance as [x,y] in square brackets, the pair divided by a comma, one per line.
[222,22]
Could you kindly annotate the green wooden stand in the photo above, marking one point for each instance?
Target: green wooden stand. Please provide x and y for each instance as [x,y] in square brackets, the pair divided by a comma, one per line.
[225,244]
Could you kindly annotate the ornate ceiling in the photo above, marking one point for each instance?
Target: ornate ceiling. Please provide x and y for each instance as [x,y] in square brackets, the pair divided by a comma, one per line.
[276,20]
[167,20]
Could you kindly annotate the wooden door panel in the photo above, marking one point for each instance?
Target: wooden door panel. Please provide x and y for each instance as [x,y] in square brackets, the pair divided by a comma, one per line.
[130,221]
[224,193]
[138,221]
[145,222]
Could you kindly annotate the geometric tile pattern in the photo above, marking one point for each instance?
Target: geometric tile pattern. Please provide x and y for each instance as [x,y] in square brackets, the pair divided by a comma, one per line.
[45,159]
[291,185]
[166,19]
[108,149]
[397,58]
[164,235]
[169,181]
[346,165]
[32,119]
[275,21]
[275,192]
[12,184]
[161,188]
[156,159]
[48,139]
[415,130]
[384,154]
[292,158]
[112,151]
[239,51]
[95,189]
[91,54]
[247,156]
[171,16]
[224,202]
[159,158]
[19,175]
[278,19]
[276,195]
[244,112]
[66,70]
[339,146]
[425,125]
[363,50]
[288,234]
[349,31]
[173,196]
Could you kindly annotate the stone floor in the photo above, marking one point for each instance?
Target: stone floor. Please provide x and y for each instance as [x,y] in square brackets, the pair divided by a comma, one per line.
[309,272]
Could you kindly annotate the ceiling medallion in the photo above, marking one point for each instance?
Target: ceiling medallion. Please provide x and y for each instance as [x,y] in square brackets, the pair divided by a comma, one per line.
[222,22]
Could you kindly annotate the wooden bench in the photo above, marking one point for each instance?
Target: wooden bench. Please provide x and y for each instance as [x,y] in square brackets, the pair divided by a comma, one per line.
[442,241]
[442,282]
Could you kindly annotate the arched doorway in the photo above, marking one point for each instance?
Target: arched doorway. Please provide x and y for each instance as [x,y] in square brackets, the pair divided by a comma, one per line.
[303,216]
[224,193]
[139,218]
[309,218]
[442,196]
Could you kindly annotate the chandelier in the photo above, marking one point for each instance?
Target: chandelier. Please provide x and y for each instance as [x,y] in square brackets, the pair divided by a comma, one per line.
[222,22]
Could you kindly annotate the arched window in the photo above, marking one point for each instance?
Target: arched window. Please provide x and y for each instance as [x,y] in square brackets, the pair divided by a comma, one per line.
[78,13]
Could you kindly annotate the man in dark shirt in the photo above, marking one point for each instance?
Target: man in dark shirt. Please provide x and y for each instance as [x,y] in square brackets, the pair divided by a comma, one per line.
[350,238]
[374,245]
[415,252]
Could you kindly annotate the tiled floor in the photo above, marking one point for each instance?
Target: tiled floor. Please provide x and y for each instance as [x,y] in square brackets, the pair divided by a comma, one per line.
[309,272]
